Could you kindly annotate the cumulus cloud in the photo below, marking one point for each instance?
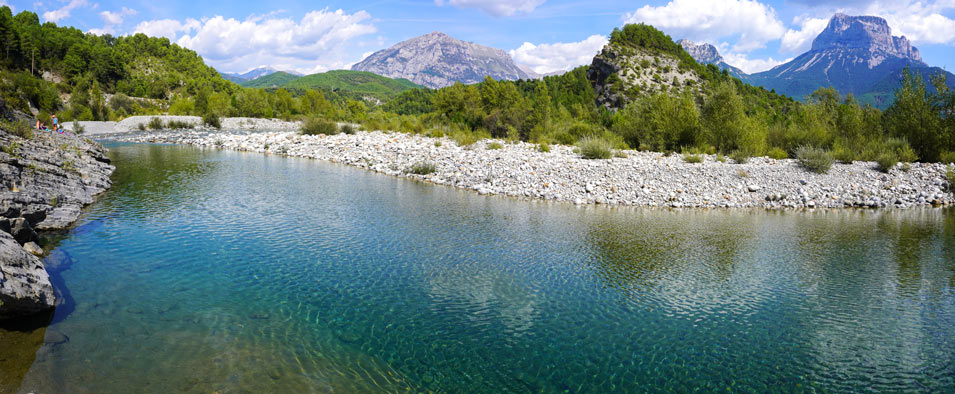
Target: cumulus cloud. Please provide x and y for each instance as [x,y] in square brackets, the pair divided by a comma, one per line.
[561,56]
[317,42]
[111,20]
[751,66]
[754,23]
[496,7]
[64,12]
[799,41]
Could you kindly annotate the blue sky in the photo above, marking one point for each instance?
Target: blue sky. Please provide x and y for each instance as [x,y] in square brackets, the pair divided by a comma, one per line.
[544,35]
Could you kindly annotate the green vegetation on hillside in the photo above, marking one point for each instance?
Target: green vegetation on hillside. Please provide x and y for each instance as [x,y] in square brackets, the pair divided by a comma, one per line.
[353,83]
[274,80]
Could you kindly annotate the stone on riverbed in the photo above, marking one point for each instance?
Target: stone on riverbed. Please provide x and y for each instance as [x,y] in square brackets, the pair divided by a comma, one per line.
[25,287]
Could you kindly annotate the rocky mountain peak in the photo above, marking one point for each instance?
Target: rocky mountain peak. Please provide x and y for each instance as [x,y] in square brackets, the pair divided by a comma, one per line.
[870,33]
[703,53]
[437,60]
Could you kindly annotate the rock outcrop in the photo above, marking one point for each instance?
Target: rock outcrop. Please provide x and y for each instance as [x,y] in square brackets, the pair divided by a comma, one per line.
[437,60]
[620,73]
[45,180]
[869,33]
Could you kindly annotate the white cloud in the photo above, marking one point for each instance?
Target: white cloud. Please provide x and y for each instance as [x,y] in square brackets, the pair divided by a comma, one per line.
[799,41]
[318,42]
[561,56]
[496,7]
[923,23]
[111,20]
[700,20]
[64,12]
[751,66]
[4,3]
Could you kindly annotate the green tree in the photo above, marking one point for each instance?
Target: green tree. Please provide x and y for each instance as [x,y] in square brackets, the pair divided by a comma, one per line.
[913,117]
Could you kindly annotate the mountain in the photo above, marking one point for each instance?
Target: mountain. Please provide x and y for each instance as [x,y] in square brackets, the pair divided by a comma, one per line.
[274,80]
[707,54]
[437,60]
[357,84]
[254,74]
[854,54]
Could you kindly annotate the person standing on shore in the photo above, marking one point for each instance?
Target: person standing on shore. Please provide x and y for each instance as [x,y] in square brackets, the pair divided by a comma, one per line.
[56,124]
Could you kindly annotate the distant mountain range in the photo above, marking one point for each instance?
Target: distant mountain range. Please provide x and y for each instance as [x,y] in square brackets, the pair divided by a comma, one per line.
[708,54]
[437,60]
[254,74]
[352,84]
[854,54]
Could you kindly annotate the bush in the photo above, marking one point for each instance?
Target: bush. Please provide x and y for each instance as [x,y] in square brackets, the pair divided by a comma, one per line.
[543,147]
[20,128]
[78,128]
[740,156]
[141,127]
[777,153]
[316,126]
[422,168]
[595,148]
[843,155]
[947,157]
[902,150]
[814,159]
[155,124]
[692,159]
[951,179]
[464,138]
[494,146]
[212,120]
[347,129]
[886,161]
[179,125]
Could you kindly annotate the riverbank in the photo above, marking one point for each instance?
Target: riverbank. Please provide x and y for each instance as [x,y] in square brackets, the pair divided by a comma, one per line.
[639,179]
[134,123]
[47,178]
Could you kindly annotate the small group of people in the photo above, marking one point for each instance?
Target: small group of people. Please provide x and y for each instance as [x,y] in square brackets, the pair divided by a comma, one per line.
[42,126]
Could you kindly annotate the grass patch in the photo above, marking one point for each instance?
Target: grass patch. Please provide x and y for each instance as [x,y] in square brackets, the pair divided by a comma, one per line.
[814,159]
[494,146]
[692,159]
[347,129]
[422,168]
[437,144]
[950,174]
[886,161]
[720,158]
[316,126]
[141,127]
[947,158]
[593,148]
[740,156]
[777,153]
[155,124]
[543,147]
[463,138]
[179,125]
[20,128]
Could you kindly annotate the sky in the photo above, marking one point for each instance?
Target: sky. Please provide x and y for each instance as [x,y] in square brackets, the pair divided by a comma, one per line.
[542,35]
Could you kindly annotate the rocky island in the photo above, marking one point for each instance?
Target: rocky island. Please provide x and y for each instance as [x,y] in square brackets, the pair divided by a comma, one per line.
[46,178]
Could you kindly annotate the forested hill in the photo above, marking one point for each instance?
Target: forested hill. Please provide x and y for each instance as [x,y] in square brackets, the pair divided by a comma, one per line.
[42,61]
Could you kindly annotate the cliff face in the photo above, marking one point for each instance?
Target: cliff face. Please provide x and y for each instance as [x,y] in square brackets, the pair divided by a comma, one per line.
[621,73]
[708,54]
[45,179]
[870,33]
[437,60]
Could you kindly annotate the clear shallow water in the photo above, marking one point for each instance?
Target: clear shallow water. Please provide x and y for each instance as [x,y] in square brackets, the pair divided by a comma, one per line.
[210,271]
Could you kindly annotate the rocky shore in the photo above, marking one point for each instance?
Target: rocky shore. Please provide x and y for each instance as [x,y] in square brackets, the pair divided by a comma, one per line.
[97,129]
[639,179]
[46,180]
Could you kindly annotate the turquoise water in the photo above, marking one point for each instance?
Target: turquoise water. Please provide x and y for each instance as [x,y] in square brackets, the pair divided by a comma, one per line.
[207,271]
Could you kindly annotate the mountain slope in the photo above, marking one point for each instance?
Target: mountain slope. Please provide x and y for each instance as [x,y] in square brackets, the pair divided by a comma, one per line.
[254,74]
[274,80]
[854,54]
[707,54]
[354,83]
[437,60]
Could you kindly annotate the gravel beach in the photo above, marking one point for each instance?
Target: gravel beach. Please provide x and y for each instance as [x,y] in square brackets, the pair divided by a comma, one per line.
[639,179]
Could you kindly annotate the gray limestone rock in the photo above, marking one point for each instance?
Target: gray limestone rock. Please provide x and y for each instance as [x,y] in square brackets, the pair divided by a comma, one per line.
[25,287]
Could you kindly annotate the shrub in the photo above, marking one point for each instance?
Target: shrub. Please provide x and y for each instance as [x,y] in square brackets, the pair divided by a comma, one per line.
[422,168]
[179,125]
[951,179]
[155,124]
[543,147]
[720,158]
[347,129]
[595,148]
[692,159]
[843,155]
[78,128]
[814,159]
[437,144]
[19,128]
[902,150]
[777,153]
[947,157]
[494,146]
[464,138]
[886,161]
[212,120]
[740,156]
[316,126]
[141,127]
